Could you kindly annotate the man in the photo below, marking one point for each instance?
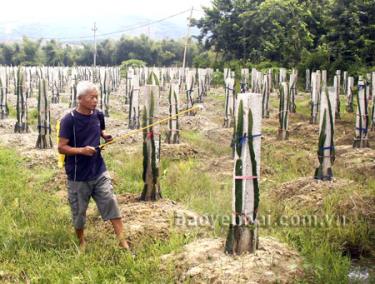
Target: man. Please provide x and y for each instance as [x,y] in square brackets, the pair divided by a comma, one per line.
[80,132]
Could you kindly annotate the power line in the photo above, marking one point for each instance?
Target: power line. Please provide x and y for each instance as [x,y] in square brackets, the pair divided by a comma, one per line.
[129,28]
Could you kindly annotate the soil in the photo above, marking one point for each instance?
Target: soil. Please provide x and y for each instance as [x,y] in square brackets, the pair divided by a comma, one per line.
[155,220]
[180,151]
[25,144]
[358,161]
[204,261]
[307,191]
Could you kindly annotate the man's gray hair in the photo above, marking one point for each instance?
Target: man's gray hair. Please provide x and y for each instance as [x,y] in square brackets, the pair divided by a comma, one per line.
[85,87]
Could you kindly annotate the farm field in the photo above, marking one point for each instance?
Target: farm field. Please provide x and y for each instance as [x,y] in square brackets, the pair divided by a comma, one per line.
[310,231]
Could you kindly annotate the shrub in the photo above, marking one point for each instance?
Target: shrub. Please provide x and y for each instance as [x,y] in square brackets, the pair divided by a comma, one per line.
[130,63]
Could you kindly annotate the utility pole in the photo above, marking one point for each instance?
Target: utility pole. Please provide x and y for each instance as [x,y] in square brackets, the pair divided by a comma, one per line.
[94,29]
[187,39]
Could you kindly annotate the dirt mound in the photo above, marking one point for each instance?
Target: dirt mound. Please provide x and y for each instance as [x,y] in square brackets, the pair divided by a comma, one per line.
[305,129]
[204,261]
[345,138]
[197,122]
[24,144]
[58,111]
[307,191]
[7,125]
[36,157]
[180,151]
[360,161]
[153,219]
[219,135]
[58,184]
[221,167]
[358,205]
[190,122]
[112,123]
[346,198]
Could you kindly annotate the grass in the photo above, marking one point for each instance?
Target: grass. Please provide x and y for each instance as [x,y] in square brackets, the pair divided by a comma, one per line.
[12,111]
[181,181]
[184,182]
[32,114]
[35,246]
[128,168]
[118,115]
[322,248]
[37,243]
[210,146]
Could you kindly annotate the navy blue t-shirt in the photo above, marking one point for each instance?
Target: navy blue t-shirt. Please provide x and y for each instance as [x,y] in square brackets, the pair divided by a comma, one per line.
[87,133]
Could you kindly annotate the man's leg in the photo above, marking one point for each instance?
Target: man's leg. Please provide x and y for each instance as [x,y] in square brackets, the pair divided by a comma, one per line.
[79,197]
[107,204]
[119,231]
[81,237]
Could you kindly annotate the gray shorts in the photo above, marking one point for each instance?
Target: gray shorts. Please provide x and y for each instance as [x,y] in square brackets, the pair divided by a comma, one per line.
[101,190]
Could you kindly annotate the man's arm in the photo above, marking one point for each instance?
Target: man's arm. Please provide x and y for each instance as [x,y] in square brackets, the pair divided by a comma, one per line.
[65,149]
[105,136]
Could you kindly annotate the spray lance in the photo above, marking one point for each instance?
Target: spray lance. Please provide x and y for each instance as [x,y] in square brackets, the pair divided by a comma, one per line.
[61,157]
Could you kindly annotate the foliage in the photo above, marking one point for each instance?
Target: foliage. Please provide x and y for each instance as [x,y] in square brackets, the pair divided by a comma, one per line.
[37,248]
[218,79]
[167,52]
[206,59]
[133,63]
[130,63]
[325,34]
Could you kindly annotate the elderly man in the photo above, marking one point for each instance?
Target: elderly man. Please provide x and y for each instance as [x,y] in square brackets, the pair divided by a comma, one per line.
[80,132]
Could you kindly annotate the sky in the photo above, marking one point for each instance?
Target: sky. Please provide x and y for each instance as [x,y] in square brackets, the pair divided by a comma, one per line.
[24,11]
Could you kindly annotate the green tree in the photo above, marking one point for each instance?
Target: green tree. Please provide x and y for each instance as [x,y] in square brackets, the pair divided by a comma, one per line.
[53,53]
[367,28]
[31,54]
[256,30]
[8,53]
[327,33]
[284,32]
[106,52]
[344,38]
[85,55]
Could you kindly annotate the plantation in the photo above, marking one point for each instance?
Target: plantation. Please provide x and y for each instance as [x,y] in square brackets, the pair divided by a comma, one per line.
[256,179]
[232,146]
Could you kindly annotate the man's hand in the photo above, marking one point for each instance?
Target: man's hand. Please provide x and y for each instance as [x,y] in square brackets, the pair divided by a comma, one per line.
[87,151]
[65,149]
[107,137]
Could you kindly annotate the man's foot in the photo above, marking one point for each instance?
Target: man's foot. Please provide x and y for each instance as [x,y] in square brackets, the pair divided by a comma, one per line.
[82,247]
[124,245]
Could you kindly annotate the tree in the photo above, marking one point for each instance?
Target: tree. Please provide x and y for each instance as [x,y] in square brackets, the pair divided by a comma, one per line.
[53,54]
[367,28]
[344,38]
[8,53]
[31,52]
[326,33]
[106,52]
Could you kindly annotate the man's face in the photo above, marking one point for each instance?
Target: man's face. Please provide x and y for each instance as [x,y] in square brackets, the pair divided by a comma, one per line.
[89,101]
